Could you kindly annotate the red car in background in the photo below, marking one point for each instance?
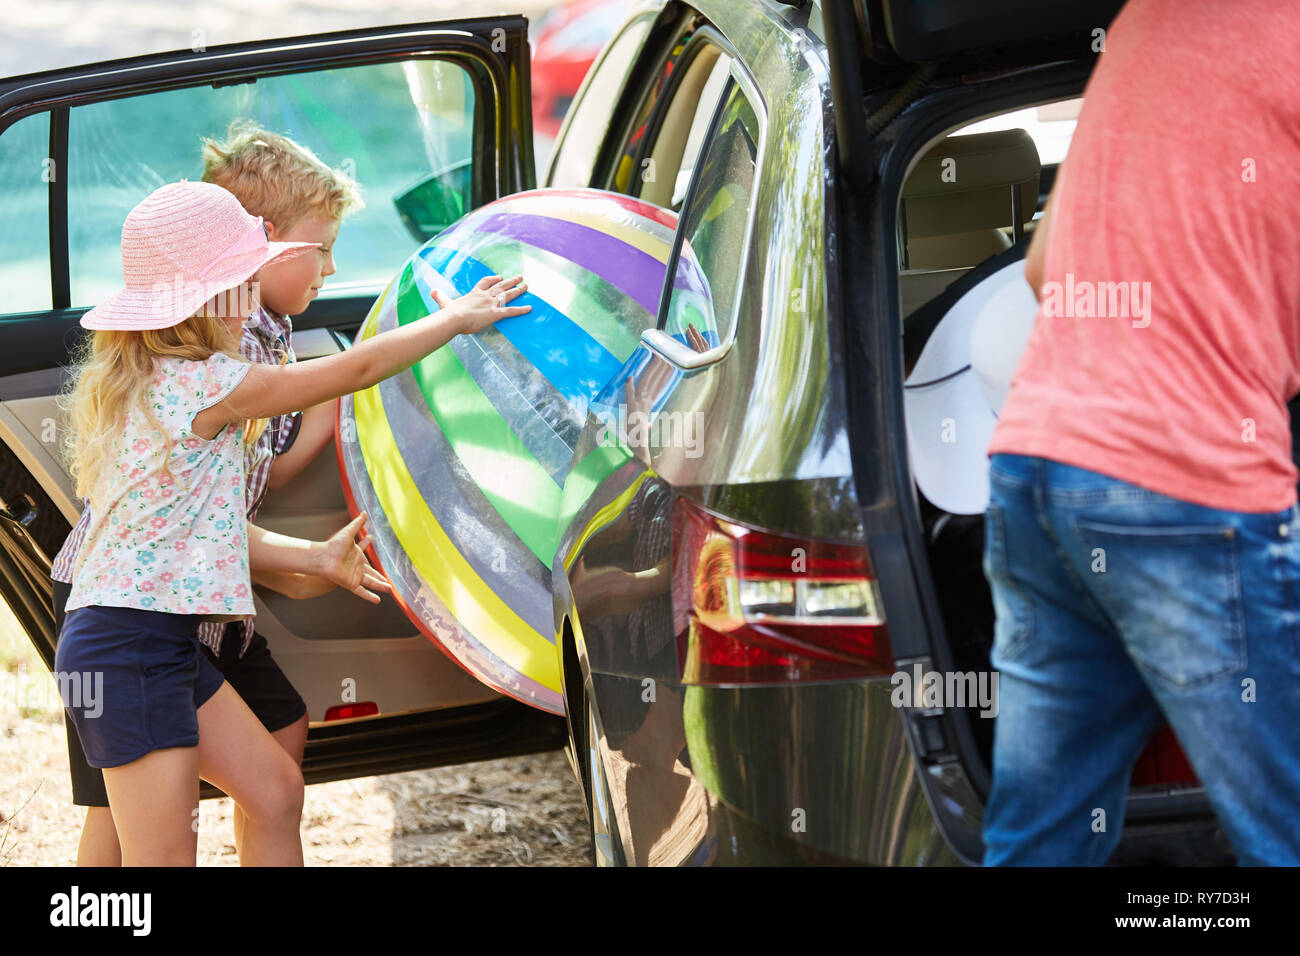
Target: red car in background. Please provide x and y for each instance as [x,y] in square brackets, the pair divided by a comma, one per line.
[564,42]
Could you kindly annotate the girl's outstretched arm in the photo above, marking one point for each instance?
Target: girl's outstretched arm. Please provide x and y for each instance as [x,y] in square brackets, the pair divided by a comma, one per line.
[268,390]
[341,559]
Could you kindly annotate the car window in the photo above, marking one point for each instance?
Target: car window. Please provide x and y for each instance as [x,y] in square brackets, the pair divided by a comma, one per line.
[708,105]
[677,138]
[25,175]
[402,130]
[576,153]
[707,270]
[1051,126]
[627,173]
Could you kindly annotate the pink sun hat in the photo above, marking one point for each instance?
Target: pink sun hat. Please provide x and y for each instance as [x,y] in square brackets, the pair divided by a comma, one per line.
[182,245]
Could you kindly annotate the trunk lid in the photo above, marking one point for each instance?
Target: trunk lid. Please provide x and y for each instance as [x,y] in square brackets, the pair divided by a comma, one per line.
[988,33]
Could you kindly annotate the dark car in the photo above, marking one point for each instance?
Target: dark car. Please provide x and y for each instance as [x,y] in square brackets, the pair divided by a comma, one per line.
[730,605]
[726,705]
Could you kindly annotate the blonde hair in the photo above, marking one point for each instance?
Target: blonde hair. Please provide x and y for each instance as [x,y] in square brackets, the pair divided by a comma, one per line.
[276,178]
[112,372]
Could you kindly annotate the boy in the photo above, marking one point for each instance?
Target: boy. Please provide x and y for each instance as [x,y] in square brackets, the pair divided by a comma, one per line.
[300,199]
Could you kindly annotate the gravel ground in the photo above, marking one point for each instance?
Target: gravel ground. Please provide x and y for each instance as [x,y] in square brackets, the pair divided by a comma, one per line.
[519,811]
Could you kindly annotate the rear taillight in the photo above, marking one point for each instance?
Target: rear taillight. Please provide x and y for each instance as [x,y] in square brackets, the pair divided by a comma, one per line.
[346,711]
[1163,763]
[751,606]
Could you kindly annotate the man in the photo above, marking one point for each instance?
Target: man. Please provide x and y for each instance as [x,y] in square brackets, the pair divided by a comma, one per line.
[1142,537]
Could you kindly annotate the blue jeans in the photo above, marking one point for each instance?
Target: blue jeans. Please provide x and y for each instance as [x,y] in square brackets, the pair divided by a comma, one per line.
[1119,608]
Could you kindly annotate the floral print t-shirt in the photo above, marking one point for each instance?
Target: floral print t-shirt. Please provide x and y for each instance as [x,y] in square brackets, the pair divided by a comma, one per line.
[172,543]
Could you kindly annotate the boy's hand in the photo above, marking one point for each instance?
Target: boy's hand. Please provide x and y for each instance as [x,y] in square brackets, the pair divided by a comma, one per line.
[294,584]
[343,561]
[487,302]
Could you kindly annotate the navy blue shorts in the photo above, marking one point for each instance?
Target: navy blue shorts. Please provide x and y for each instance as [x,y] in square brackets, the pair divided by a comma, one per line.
[132,680]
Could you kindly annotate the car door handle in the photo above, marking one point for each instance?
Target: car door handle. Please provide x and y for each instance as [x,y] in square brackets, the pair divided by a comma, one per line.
[28,515]
[18,531]
[680,354]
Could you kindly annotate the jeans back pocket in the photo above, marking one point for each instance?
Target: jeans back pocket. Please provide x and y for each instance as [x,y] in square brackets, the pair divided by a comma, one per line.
[1175,594]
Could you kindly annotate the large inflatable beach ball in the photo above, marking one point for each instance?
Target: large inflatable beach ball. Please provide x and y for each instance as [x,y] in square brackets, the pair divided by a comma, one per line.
[460,461]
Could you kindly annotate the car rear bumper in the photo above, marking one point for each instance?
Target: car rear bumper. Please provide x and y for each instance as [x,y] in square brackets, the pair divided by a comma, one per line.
[695,775]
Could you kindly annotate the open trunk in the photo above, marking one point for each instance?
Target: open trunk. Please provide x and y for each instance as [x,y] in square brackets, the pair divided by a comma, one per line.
[925,69]
[952,232]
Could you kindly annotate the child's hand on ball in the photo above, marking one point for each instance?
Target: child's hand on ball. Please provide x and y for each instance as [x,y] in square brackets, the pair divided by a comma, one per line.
[486,303]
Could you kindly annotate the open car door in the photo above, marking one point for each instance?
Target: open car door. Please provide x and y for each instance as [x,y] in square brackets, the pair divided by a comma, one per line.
[432,120]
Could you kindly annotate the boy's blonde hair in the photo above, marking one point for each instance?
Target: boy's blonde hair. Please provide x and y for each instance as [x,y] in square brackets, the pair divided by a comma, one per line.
[276,178]
[112,373]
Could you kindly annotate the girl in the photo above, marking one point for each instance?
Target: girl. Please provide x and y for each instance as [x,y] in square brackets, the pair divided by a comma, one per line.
[168,544]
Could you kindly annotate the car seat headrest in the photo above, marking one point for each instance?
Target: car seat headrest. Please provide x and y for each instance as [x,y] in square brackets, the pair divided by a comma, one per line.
[969,182]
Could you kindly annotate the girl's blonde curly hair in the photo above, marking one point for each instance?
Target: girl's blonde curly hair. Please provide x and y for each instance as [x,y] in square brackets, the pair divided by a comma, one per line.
[111,373]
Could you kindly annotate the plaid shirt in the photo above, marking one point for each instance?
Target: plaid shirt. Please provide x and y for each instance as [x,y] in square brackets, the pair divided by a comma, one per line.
[265,339]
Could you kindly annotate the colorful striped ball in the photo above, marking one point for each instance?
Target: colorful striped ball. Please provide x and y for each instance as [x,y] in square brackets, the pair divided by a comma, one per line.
[460,461]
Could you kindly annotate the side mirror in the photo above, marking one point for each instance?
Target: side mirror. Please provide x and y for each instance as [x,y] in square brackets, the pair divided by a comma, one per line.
[433,203]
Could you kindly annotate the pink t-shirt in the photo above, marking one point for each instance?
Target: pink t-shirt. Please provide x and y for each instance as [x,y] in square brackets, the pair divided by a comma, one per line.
[173,544]
[1167,340]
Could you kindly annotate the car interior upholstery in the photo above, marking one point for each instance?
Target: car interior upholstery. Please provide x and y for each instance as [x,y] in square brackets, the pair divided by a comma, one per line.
[668,155]
[967,198]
